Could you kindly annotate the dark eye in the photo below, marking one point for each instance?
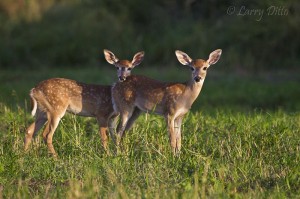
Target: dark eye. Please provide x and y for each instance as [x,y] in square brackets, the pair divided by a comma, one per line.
[204,68]
[129,69]
[192,68]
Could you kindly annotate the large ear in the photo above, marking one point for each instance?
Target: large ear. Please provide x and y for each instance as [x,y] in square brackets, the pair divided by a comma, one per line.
[138,58]
[183,58]
[214,57]
[110,57]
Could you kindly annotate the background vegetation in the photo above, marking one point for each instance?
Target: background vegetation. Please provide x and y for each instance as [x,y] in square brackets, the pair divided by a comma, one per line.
[56,33]
[240,140]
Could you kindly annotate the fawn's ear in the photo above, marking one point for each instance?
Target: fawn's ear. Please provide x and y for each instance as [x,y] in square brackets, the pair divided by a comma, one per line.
[110,57]
[183,58]
[138,58]
[214,57]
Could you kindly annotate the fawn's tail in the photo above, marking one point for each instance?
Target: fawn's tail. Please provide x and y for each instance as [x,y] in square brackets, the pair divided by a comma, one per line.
[33,102]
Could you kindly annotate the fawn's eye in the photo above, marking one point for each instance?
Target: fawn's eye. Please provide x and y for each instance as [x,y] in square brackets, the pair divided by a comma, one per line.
[129,69]
[204,68]
[192,68]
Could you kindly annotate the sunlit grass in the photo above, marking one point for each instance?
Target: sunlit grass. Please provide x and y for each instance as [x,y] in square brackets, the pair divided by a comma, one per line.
[223,155]
[228,151]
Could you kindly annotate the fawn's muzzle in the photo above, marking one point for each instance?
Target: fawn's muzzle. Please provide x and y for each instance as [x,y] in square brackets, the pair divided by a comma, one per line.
[122,78]
[197,79]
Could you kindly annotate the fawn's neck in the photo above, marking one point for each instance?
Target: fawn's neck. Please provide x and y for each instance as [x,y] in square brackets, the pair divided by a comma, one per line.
[193,90]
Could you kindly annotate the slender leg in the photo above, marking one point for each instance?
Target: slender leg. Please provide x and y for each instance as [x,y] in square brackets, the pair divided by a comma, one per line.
[47,128]
[52,126]
[34,128]
[172,136]
[104,138]
[124,117]
[112,123]
[103,131]
[178,122]
[136,113]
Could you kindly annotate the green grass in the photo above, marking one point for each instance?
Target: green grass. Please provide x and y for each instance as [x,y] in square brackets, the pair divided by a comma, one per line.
[239,148]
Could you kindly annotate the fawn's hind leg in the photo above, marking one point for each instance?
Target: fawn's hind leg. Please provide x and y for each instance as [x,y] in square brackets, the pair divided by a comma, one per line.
[53,121]
[32,130]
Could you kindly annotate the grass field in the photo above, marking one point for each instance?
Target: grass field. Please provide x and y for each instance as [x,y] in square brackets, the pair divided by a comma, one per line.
[241,140]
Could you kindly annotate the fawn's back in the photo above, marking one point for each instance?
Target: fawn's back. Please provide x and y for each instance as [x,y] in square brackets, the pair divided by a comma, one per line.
[58,95]
[151,95]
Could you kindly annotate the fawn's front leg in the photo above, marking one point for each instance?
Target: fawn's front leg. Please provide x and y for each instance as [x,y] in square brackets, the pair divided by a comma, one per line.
[178,123]
[172,136]
[136,113]
[124,117]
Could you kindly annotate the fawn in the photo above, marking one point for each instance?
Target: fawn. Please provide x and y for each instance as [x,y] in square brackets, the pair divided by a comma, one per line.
[54,97]
[171,100]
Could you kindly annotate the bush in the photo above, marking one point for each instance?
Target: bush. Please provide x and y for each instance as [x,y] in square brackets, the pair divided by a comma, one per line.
[73,33]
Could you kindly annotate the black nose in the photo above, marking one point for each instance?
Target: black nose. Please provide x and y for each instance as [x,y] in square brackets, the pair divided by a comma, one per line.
[197,79]
[122,78]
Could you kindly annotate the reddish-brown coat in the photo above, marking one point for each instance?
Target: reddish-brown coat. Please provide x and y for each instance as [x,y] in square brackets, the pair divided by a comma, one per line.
[52,98]
[172,100]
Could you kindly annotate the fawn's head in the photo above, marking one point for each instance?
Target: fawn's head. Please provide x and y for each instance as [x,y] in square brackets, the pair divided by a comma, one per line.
[124,66]
[199,66]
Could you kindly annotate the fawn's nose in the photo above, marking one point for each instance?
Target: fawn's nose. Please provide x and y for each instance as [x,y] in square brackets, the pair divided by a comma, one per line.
[122,78]
[197,78]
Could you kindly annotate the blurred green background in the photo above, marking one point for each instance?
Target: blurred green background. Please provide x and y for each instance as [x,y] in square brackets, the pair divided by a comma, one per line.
[258,69]
[73,33]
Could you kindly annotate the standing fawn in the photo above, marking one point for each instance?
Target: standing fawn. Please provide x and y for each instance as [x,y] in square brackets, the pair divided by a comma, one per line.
[172,100]
[52,98]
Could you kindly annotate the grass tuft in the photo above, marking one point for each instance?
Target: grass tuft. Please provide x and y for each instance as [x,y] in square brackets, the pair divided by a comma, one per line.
[227,152]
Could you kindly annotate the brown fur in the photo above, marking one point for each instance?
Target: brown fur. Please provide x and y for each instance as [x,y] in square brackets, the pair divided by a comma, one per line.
[171,100]
[54,97]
